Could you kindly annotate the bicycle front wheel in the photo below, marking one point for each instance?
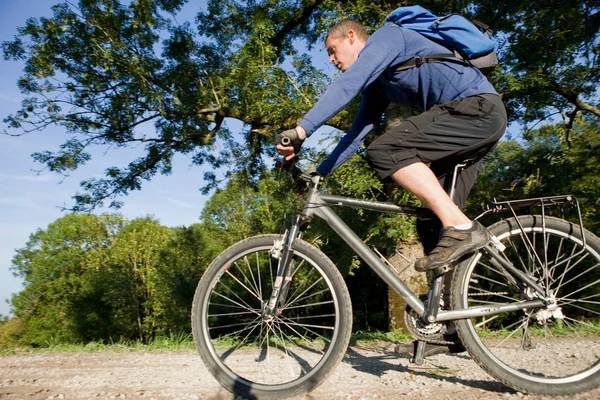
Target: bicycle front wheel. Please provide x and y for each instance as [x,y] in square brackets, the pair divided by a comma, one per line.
[253,354]
[549,351]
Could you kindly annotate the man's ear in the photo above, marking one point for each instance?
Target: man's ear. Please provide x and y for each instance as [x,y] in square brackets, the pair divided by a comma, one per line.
[351,36]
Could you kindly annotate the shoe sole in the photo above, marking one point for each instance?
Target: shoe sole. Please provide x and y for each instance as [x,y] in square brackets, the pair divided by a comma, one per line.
[434,265]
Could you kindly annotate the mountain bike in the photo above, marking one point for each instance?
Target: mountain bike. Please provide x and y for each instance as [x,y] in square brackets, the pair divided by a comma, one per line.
[272,316]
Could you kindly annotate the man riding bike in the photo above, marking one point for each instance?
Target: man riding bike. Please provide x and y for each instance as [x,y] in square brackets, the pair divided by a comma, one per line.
[462,117]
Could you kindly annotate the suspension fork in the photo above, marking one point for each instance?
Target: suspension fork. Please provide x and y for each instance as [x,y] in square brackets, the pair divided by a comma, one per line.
[284,269]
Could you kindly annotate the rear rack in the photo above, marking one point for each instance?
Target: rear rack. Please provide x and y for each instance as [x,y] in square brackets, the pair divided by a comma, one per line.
[541,203]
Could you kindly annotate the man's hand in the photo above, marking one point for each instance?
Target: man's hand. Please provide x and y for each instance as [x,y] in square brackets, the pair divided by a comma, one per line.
[289,142]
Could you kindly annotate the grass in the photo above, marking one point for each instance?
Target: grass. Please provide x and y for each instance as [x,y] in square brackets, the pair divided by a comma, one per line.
[171,342]
[374,337]
[185,342]
[556,329]
[182,342]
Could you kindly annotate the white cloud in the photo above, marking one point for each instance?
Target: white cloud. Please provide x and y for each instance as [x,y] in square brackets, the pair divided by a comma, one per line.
[180,203]
[30,178]
[18,201]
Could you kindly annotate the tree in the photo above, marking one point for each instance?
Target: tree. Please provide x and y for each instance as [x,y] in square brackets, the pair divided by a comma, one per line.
[549,54]
[114,74]
[182,262]
[545,164]
[138,293]
[100,278]
[62,267]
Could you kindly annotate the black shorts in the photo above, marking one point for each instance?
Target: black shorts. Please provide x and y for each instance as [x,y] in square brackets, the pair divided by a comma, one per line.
[445,135]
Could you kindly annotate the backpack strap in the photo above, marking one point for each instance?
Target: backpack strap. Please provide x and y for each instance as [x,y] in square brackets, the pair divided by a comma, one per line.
[418,61]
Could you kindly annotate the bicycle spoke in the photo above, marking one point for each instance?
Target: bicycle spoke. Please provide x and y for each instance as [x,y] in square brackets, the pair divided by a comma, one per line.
[514,344]
[279,349]
[561,283]
[486,321]
[523,324]
[298,298]
[582,299]
[242,305]
[584,308]
[252,274]
[311,305]
[299,287]
[566,296]
[285,350]
[260,293]
[254,288]
[247,326]
[230,314]
[291,326]
[307,297]
[244,286]
[490,280]
[587,324]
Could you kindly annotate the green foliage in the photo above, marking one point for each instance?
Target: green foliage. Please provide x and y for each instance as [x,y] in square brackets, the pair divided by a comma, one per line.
[59,267]
[545,164]
[100,278]
[549,56]
[101,69]
[171,342]
[182,261]
[134,256]
[115,73]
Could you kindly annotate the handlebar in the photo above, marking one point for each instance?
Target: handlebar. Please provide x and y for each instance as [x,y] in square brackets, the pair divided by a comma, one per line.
[286,141]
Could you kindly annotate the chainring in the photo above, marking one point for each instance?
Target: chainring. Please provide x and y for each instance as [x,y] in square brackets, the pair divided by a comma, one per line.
[430,333]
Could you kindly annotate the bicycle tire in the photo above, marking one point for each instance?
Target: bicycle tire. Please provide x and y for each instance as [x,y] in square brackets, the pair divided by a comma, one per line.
[536,351]
[299,348]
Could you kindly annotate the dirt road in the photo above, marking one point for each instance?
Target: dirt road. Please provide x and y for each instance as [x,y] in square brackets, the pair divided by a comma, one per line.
[365,374]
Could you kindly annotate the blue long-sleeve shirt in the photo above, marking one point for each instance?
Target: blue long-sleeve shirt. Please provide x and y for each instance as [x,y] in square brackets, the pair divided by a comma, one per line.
[419,88]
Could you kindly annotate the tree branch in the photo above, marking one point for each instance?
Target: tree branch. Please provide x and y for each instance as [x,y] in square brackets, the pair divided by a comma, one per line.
[300,17]
[574,99]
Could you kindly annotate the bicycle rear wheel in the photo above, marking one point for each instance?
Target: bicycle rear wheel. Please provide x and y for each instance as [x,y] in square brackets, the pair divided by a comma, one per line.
[545,351]
[254,355]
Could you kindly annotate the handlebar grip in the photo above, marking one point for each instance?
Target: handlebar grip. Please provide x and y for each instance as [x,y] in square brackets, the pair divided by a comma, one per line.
[286,141]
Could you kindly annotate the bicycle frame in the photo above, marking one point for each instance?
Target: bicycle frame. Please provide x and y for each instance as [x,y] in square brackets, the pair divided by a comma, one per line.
[318,205]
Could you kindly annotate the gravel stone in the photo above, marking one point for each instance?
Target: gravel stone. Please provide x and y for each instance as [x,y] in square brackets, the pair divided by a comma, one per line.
[364,374]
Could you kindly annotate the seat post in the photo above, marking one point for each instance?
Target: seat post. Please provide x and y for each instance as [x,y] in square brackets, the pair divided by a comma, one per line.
[457,168]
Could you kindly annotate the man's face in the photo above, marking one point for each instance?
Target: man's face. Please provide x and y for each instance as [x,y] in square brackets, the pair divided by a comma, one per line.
[341,50]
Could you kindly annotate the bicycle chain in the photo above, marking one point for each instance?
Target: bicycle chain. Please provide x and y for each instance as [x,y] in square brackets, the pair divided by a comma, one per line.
[487,294]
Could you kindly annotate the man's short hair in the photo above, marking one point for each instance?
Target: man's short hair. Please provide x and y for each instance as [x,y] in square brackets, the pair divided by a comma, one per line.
[342,28]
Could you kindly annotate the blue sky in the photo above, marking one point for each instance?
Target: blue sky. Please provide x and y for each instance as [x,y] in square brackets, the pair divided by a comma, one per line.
[30,200]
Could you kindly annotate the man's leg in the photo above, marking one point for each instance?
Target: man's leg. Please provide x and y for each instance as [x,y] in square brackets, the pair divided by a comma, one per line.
[418,179]
[460,235]
[452,131]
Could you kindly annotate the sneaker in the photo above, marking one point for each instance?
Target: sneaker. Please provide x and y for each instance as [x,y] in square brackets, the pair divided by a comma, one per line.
[454,244]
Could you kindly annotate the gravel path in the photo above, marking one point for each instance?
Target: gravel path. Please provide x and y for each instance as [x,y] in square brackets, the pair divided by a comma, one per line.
[365,374]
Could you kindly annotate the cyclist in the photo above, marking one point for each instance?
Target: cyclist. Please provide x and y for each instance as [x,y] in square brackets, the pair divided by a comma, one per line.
[462,117]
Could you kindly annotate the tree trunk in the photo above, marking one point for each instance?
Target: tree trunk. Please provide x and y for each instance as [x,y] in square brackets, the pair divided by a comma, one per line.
[409,250]
[416,281]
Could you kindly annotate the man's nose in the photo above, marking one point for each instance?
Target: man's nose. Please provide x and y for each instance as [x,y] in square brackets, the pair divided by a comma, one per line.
[332,59]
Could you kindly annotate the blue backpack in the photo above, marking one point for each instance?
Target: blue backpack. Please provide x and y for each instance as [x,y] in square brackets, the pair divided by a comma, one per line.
[469,41]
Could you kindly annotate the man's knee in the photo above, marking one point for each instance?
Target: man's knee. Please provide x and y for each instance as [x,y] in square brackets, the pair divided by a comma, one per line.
[386,156]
